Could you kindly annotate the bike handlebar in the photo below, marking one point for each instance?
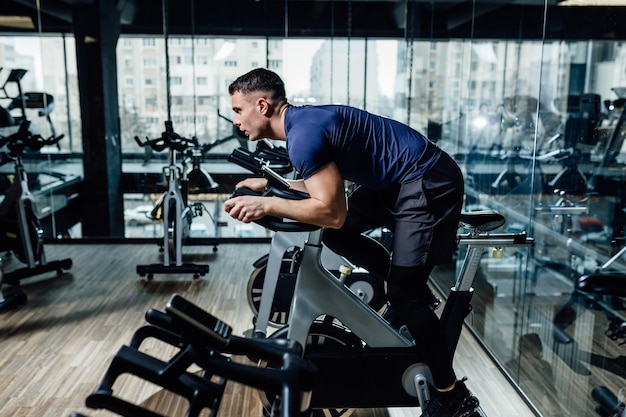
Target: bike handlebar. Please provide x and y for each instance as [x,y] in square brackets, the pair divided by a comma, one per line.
[256,163]
[291,378]
[277,186]
[24,138]
[169,139]
[271,350]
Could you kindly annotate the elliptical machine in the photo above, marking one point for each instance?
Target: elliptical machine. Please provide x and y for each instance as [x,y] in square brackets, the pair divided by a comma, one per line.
[20,228]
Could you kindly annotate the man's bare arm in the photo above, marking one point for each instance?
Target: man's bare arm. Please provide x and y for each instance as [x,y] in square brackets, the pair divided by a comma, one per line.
[326,207]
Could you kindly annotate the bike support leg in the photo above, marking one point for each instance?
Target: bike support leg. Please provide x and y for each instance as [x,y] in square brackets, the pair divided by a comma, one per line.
[280,243]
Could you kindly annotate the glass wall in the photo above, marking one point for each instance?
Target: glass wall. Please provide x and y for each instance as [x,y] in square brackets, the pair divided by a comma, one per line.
[536,124]
[537,128]
[39,86]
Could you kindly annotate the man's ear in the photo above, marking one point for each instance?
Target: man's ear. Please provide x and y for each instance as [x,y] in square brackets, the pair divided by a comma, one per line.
[263,105]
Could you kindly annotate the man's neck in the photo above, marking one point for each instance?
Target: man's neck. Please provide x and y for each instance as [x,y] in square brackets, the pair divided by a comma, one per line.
[282,111]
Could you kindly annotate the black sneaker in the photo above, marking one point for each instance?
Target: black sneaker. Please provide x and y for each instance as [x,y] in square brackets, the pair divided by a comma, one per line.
[456,403]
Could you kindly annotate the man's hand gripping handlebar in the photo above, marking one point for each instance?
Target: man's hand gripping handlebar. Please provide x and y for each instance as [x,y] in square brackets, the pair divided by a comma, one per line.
[276,186]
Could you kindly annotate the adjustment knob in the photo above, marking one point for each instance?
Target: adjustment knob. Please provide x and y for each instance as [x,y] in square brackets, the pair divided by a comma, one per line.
[344,270]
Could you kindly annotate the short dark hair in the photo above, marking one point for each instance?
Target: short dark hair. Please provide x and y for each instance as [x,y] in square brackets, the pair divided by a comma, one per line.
[260,79]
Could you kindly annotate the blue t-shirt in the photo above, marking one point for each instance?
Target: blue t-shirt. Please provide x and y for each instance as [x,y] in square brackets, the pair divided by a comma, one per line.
[370,150]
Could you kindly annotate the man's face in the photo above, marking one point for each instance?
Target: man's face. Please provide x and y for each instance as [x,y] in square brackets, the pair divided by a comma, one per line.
[249,114]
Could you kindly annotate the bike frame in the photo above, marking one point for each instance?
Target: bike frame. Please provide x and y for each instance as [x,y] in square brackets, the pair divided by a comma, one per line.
[20,197]
[174,196]
[390,354]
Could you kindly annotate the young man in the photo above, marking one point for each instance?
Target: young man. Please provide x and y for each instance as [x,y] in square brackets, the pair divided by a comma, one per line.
[405,183]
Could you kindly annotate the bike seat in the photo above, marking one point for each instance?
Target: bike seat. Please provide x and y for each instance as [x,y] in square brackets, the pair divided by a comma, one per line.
[603,283]
[484,220]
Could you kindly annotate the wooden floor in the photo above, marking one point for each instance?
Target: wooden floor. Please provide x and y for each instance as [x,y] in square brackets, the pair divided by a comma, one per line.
[56,348]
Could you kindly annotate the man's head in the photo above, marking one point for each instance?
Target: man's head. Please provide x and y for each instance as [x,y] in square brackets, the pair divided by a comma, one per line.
[260,79]
[255,97]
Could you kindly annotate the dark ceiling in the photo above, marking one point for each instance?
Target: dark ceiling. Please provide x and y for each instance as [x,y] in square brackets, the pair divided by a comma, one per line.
[420,19]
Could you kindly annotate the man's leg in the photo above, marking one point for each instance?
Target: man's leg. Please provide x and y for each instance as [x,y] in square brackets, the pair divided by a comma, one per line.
[368,210]
[427,213]
[410,295]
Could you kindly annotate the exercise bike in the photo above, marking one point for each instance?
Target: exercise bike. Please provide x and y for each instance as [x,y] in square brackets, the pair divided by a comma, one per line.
[20,228]
[600,290]
[173,207]
[348,340]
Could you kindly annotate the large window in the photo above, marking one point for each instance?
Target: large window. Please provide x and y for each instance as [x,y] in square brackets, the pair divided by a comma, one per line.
[49,65]
[39,85]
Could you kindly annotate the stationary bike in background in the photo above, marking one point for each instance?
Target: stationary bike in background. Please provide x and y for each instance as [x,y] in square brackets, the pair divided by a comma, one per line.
[173,207]
[20,230]
[14,113]
[602,290]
